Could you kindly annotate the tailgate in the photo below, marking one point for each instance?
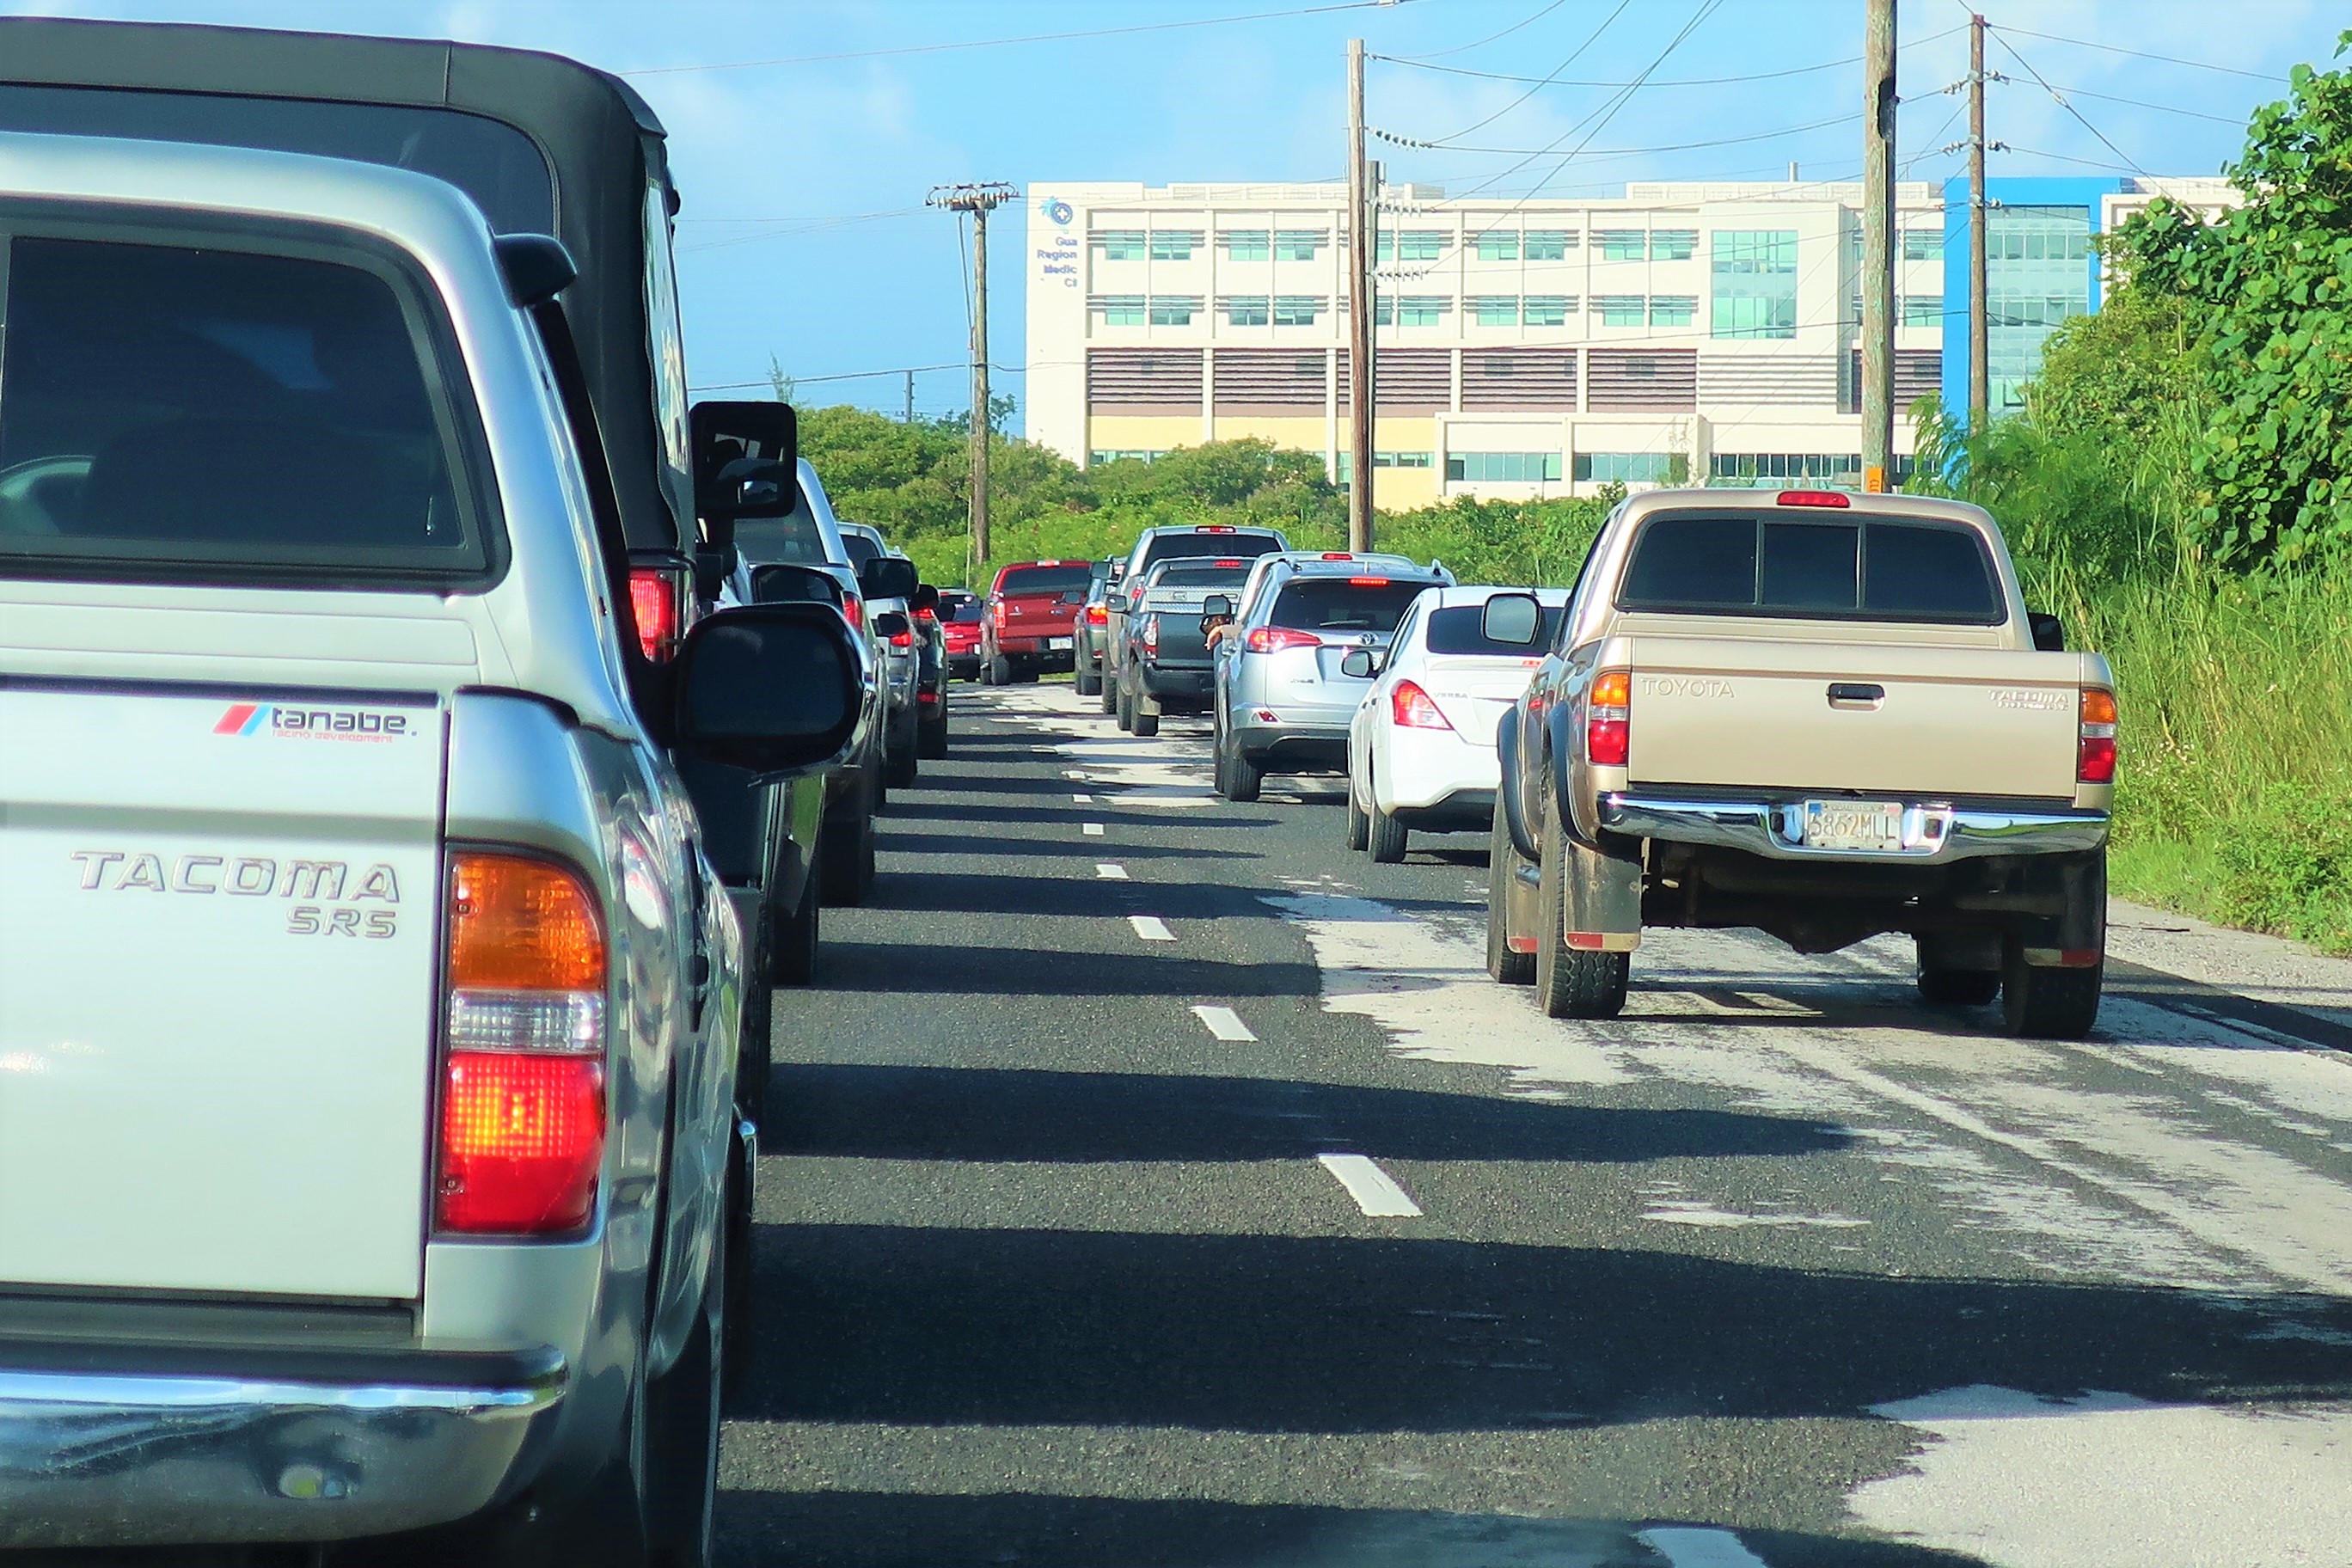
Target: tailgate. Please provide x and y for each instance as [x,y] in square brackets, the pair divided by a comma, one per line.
[1951,722]
[1474,693]
[1040,615]
[218,962]
[1182,641]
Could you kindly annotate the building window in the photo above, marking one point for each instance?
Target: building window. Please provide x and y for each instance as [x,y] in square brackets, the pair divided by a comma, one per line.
[1673,244]
[1095,458]
[2036,241]
[1548,309]
[1494,310]
[1422,310]
[1754,273]
[1118,309]
[1244,310]
[1673,309]
[1118,244]
[1298,244]
[1174,310]
[1621,309]
[1175,244]
[1742,468]
[1549,243]
[1923,309]
[1621,244]
[1246,245]
[1386,460]
[1624,468]
[1505,468]
[1421,245]
[1498,244]
[1923,245]
[1298,310]
[2037,275]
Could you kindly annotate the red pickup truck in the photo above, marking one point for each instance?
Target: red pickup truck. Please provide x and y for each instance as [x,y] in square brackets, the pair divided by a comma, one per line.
[1028,624]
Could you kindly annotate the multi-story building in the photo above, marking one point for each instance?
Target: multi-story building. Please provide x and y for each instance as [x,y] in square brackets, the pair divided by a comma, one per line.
[1680,333]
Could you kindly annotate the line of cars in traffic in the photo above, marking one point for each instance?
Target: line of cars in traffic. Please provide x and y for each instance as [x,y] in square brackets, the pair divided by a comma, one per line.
[1824,715]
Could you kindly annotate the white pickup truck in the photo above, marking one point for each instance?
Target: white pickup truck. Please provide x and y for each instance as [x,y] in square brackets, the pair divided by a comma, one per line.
[1824,715]
[369,1013]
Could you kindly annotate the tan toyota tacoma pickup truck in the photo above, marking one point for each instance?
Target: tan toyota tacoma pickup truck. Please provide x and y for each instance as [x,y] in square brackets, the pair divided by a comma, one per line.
[1823,715]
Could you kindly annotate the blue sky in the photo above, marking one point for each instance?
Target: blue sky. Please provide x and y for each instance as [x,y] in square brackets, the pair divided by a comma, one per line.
[804,237]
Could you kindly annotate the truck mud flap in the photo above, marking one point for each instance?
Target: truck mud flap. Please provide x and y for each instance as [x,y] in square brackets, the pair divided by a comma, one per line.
[1506,751]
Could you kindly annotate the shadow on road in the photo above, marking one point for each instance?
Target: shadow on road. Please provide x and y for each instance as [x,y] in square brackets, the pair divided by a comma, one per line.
[1001,1114]
[884,966]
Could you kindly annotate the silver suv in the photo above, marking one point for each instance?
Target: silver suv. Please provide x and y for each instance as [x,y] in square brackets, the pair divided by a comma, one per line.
[1282,700]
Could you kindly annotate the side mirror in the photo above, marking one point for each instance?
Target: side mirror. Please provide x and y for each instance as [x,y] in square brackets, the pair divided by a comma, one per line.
[1217,604]
[779,584]
[889,577]
[774,689]
[746,460]
[2048,631]
[924,597]
[1363,663]
[1115,602]
[891,623]
[1515,620]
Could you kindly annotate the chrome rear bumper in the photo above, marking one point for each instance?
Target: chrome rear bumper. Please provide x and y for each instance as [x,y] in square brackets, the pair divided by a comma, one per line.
[181,1455]
[1931,833]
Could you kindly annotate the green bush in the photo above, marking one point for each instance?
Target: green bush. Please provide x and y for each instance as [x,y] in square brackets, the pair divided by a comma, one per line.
[2287,868]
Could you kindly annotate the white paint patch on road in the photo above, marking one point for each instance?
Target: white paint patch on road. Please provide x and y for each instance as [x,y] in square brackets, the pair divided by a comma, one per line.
[1152,928]
[1091,830]
[1224,1023]
[1375,1191]
[1082,800]
[1688,1546]
[1681,1212]
[2110,1481]
[1166,801]
[1110,871]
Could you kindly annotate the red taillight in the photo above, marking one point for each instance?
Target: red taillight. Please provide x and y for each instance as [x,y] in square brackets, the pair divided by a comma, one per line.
[522,1092]
[1229,565]
[1814,498]
[1608,719]
[2096,763]
[853,608]
[996,611]
[1368,582]
[1274,639]
[902,639]
[1337,555]
[927,617]
[656,601]
[1097,615]
[1215,528]
[1409,706]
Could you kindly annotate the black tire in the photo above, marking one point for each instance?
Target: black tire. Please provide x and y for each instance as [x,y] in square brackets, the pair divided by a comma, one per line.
[1238,778]
[1385,837]
[903,764]
[931,737]
[1109,684]
[1571,983]
[1144,724]
[1959,987]
[1502,861]
[1125,711]
[997,671]
[681,1464]
[846,860]
[1360,826]
[738,1343]
[755,1048]
[793,949]
[2048,1003]
[1089,680]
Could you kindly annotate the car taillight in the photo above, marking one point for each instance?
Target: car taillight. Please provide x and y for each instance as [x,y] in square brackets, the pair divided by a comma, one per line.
[1608,719]
[852,609]
[1152,633]
[997,611]
[1214,528]
[1097,615]
[1814,498]
[927,617]
[902,639]
[1337,555]
[2098,756]
[1274,639]
[1409,706]
[522,1092]
[657,603]
[1368,582]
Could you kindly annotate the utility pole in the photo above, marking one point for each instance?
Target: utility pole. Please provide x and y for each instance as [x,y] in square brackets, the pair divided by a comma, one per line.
[910,398]
[978,201]
[1878,247]
[1362,201]
[1980,374]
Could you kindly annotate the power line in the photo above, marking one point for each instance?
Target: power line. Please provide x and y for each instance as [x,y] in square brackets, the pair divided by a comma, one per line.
[2143,103]
[1465,48]
[1669,81]
[2136,54]
[1622,152]
[1592,38]
[2060,99]
[1028,38]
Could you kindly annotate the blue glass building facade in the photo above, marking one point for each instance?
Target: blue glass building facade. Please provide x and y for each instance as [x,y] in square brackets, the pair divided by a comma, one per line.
[2039,269]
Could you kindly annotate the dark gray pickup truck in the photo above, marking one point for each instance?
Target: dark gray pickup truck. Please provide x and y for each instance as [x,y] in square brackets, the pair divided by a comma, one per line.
[1165,667]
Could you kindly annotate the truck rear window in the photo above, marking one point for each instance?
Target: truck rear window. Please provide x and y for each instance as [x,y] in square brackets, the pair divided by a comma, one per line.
[1242,546]
[1204,576]
[1336,605]
[1868,568]
[220,413]
[1461,628]
[1029,581]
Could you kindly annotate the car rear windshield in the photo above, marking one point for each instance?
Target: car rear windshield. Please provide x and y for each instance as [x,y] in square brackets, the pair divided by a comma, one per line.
[1244,546]
[1024,581]
[1461,628]
[968,614]
[1340,605]
[1209,576]
[1868,568]
[859,549]
[221,414]
[794,537]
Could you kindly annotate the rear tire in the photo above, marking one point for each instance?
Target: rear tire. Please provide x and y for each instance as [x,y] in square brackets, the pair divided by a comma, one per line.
[1109,684]
[793,959]
[1144,724]
[931,737]
[1360,826]
[1125,711]
[997,671]
[1089,680]
[1502,861]
[1238,778]
[904,765]
[1959,987]
[1385,836]
[1570,982]
[847,856]
[682,1436]
[2048,1003]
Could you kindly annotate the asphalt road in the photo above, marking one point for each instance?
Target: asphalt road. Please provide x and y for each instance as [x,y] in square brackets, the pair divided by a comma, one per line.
[1378,1268]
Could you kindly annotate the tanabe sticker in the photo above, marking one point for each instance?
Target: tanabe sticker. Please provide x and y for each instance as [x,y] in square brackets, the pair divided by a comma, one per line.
[314,723]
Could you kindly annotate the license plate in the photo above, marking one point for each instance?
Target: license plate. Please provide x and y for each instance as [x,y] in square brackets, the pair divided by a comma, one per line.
[1853,825]
[1058,644]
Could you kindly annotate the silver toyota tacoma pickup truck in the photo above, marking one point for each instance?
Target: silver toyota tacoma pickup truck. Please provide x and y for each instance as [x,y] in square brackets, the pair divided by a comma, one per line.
[370,1162]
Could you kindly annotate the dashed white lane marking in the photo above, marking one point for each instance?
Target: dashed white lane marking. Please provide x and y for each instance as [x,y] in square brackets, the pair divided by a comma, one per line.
[1224,1023]
[1168,800]
[1152,928]
[1109,871]
[1082,800]
[1375,1191]
[1685,1546]
[1092,829]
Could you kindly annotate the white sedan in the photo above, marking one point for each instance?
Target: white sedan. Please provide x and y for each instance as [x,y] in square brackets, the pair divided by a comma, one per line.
[1421,749]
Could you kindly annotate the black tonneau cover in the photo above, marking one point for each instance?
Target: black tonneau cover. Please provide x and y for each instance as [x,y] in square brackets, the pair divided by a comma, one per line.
[600,139]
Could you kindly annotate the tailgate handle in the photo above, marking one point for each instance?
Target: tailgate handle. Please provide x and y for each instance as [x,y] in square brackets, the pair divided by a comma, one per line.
[1856,694]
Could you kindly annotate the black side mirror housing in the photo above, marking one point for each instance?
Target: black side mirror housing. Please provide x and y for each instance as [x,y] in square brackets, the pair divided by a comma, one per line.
[2048,631]
[1515,620]
[773,688]
[1115,602]
[780,584]
[746,461]
[1216,606]
[889,577]
[924,597]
